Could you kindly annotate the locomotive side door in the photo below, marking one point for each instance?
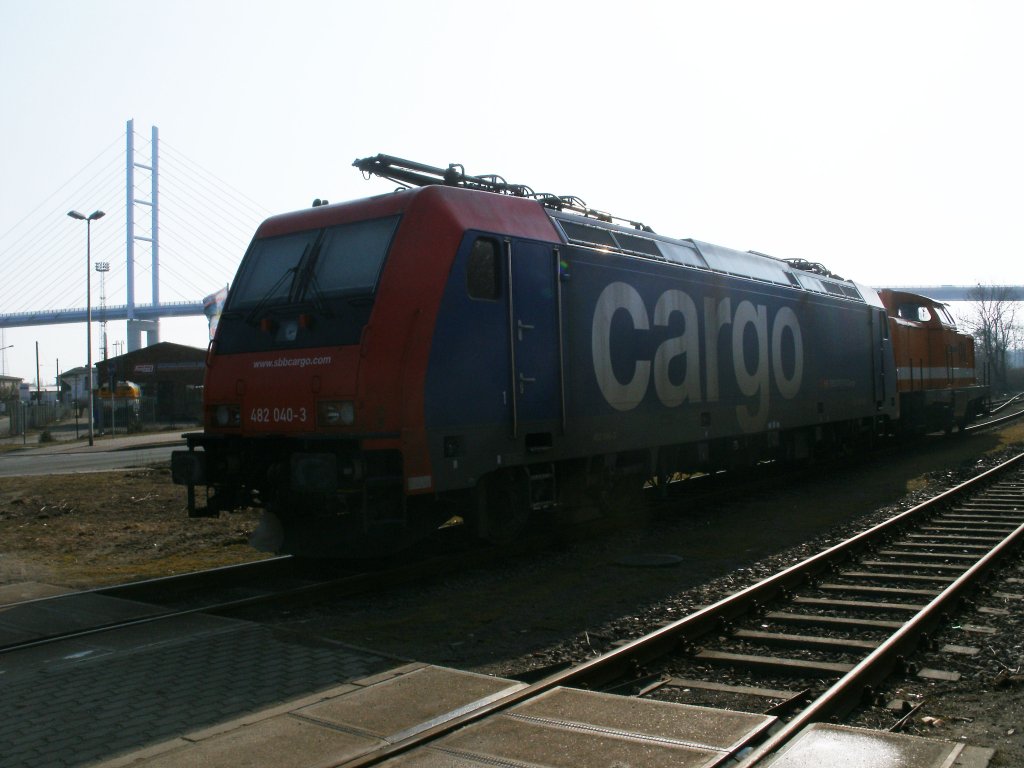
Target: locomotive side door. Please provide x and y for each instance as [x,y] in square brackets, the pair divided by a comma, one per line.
[534,334]
[883,355]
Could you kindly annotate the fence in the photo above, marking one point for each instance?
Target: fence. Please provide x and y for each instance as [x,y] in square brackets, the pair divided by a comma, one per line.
[123,417]
[25,416]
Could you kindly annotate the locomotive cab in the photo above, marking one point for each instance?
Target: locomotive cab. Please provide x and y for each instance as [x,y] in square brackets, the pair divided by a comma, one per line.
[314,391]
[935,364]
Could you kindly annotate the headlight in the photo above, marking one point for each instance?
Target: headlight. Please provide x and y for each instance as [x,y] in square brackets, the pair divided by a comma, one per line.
[336,413]
[227,416]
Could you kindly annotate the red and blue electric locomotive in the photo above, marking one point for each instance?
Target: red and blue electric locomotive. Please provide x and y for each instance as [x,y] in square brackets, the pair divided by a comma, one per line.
[464,346]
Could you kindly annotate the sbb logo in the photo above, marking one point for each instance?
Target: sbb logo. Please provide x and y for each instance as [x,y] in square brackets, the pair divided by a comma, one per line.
[753,376]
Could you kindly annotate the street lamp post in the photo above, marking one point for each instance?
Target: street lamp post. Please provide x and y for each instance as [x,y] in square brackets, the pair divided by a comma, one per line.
[88,301]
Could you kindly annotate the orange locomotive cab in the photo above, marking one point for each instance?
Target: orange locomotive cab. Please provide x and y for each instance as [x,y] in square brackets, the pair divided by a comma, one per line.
[936,375]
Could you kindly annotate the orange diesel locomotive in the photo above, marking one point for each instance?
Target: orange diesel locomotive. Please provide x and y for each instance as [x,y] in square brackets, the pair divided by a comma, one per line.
[935,367]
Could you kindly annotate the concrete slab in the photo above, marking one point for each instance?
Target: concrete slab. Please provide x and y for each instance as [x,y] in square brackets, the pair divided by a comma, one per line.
[567,728]
[702,726]
[282,742]
[330,726]
[564,728]
[435,758]
[396,708]
[505,741]
[388,674]
[183,746]
[842,747]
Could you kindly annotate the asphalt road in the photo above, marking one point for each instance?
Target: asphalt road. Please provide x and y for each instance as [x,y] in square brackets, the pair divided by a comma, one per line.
[68,456]
[95,460]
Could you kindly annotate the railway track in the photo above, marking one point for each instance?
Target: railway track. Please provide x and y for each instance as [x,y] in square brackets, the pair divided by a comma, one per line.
[1005,402]
[1013,405]
[914,569]
[897,586]
[226,590]
[45,620]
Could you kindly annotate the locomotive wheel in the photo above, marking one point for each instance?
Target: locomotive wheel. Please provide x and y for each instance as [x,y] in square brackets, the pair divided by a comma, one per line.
[503,506]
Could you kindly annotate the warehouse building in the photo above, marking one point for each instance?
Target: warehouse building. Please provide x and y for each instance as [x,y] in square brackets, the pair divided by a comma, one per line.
[169,375]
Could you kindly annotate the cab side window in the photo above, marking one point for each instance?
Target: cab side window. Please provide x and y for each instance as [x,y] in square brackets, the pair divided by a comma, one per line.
[915,312]
[483,270]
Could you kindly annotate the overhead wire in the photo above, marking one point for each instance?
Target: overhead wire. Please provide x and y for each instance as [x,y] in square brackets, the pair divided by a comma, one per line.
[63,268]
[46,247]
[73,177]
[205,225]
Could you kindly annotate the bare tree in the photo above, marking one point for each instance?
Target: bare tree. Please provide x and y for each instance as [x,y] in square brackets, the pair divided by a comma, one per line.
[995,328]
[8,390]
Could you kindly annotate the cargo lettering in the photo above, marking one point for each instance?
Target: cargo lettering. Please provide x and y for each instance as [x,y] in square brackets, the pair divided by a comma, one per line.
[748,322]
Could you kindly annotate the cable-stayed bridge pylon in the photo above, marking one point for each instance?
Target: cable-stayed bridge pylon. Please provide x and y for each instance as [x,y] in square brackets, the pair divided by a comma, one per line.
[171,207]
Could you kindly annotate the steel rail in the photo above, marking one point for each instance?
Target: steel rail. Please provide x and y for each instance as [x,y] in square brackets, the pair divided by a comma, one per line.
[1007,402]
[348,585]
[658,643]
[125,591]
[353,584]
[997,422]
[858,683]
[130,588]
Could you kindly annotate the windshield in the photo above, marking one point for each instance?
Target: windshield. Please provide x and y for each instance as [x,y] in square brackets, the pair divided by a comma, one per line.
[306,289]
[945,317]
[350,257]
[269,270]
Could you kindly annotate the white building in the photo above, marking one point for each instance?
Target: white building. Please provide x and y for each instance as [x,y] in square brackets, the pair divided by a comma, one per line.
[74,381]
[8,390]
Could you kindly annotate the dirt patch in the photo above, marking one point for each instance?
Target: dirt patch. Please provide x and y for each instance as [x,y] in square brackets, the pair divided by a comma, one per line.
[92,529]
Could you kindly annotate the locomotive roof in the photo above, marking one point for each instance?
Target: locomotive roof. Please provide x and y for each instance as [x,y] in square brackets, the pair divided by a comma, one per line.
[903,307]
[586,227]
[525,217]
[643,243]
[517,216]
[895,295]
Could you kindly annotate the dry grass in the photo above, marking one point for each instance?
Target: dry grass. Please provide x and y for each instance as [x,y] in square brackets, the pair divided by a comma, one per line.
[83,530]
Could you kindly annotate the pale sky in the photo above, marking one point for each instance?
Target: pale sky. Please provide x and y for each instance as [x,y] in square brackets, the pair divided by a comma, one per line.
[882,139]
